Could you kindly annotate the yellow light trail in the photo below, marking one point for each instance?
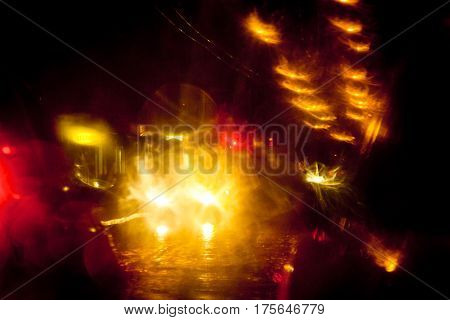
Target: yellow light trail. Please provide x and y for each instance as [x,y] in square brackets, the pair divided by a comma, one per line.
[317,126]
[113,222]
[342,136]
[371,133]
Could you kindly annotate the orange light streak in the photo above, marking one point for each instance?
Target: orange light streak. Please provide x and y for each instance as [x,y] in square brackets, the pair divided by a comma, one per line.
[353,74]
[355,115]
[357,91]
[288,71]
[322,116]
[262,31]
[297,88]
[317,126]
[309,104]
[361,103]
[348,26]
[384,257]
[342,136]
[371,133]
[357,46]
[348,2]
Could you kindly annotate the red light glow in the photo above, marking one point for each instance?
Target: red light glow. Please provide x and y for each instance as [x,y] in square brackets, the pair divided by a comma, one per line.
[6,150]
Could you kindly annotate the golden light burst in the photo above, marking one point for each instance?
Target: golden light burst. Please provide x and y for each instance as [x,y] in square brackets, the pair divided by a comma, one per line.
[204,201]
[329,183]
[262,31]
[321,175]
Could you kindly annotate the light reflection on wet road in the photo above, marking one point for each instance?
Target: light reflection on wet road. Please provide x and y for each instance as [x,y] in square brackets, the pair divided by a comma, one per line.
[223,265]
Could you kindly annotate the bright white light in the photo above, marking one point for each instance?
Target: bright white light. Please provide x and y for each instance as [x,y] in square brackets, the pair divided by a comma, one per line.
[207,231]
[205,197]
[160,200]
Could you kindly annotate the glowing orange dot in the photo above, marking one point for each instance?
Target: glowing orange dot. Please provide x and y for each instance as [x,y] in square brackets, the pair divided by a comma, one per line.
[288,268]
